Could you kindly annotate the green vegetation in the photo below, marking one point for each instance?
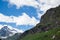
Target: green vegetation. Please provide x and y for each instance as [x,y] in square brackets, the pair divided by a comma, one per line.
[47,29]
[53,34]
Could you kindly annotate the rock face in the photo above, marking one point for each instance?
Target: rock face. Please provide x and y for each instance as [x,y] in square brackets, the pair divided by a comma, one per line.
[51,16]
[50,20]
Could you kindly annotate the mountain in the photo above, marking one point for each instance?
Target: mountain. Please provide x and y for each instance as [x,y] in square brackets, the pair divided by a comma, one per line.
[7,31]
[47,29]
[14,37]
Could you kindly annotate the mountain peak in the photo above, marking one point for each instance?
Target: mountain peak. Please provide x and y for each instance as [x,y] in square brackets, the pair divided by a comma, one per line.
[7,31]
[5,27]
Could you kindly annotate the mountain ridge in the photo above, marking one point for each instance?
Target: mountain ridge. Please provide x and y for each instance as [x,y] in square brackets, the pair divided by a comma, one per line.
[8,31]
[49,21]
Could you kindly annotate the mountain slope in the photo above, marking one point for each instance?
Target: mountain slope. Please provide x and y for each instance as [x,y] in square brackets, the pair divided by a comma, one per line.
[7,32]
[53,34]
[47,29]
[14,37]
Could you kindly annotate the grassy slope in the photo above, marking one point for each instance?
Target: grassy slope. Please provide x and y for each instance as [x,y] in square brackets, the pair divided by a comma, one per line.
[44,35]
[52,20]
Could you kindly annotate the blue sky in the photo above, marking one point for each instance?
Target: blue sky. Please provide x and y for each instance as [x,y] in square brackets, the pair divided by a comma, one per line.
[12,11]
[24,15]
[31,11]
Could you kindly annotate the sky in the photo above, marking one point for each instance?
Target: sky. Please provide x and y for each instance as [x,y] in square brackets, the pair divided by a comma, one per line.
[24,14]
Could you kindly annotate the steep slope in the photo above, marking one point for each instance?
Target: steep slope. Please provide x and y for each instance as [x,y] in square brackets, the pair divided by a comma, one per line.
[47,29]
[53,34]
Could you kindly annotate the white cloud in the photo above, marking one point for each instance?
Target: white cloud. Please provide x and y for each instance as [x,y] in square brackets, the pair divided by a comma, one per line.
[24,19]
[6,19]
[1,26]
[20,3]
[48,4]
[39,4]
[45,4]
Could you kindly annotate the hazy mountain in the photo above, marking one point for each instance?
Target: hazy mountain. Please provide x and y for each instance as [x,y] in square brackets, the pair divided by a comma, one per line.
[6,32]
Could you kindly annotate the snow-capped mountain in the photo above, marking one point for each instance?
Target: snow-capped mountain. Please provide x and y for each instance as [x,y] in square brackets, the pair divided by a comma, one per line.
[7,31]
